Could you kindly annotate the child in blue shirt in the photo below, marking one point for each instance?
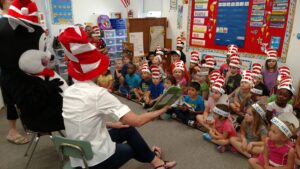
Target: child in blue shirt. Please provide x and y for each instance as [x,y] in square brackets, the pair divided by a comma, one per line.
[156,90]
[132,80]
[192,105]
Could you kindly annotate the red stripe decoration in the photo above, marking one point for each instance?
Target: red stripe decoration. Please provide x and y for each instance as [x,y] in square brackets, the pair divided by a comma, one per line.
[125,3]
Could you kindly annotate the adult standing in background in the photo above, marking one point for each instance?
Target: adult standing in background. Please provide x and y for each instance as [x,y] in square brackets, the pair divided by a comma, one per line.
[13,135]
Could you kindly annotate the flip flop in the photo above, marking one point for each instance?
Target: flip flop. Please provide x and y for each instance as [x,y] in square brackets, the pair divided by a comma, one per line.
[18,140]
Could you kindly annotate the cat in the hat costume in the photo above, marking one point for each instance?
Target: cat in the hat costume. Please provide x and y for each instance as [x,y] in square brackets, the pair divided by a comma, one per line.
[39,100]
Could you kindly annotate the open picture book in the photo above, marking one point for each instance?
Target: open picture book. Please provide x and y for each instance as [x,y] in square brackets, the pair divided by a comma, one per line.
[169,98]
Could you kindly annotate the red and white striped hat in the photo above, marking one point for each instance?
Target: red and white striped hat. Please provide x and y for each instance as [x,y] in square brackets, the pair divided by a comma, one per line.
[179,64]
[156,73]
[145,68]
[287,83]
[256,70]
[194,57]
[235,60]
[86,62]
[232,49]
[96,31]
[218,84]
[209,62]
[25,10]
[214,75]
[247,77]
[283,71]
[154,68]
[179,42]
[272,54]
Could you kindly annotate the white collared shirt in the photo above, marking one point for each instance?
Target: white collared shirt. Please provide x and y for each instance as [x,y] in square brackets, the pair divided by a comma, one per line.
[84,107]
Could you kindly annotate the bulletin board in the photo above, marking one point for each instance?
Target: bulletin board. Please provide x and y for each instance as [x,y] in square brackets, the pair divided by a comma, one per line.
[252,25]
[62,12]
[144,25]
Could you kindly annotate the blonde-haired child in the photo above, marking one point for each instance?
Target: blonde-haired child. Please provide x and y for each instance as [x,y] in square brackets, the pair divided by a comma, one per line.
[222,129]
[278,151]
[253,132]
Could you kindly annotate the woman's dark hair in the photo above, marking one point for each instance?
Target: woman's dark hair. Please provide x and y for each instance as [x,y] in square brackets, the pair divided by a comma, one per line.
[172,79]
[266,65]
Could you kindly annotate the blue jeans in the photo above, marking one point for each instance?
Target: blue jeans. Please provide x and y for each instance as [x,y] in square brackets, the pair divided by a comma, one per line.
[135,147]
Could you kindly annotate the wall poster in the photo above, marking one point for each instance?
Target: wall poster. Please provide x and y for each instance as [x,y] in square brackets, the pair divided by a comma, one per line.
[61,11]
[252,25]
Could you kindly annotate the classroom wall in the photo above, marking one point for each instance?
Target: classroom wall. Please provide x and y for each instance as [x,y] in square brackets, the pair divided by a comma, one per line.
[293,57]
[88,11]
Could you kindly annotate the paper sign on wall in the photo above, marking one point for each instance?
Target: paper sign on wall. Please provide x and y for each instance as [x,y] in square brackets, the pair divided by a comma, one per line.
[138,43]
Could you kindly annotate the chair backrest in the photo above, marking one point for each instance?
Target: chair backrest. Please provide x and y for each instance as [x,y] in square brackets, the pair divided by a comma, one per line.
[73,148]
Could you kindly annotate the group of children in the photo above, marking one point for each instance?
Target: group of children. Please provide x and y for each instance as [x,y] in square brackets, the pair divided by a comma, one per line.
[257,104]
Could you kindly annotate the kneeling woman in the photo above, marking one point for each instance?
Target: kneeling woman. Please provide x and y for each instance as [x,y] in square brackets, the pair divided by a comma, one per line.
[85,106]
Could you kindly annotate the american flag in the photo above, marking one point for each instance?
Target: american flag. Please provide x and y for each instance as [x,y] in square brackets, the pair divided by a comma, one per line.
[126,3]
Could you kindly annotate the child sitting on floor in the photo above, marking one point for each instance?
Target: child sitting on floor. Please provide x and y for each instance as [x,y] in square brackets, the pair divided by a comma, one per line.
[217,96]
[202,79]
[222,129]
[156,90]
[257,78]
[279,150]
[132,80]
[105,80]
[178,73]
[137,61]
[117,74]
[191,105]
[241,98]
[233,78]
[280,107]
[194,65]
[253,132]
[144,90]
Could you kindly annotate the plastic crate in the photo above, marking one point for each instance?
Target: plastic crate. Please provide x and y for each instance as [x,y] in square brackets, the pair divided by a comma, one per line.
[109,34]
[119,48]
[111,49]
[118,23]
[119,41]
[121,32]
[110,41]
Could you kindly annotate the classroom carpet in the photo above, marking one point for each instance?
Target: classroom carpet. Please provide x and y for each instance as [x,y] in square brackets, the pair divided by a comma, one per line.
[178,142]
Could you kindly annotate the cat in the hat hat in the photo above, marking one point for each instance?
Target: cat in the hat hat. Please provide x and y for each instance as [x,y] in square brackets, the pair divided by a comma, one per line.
[180,47]
[38,98]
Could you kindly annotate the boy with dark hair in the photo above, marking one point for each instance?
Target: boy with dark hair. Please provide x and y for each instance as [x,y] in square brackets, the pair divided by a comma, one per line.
[191,105]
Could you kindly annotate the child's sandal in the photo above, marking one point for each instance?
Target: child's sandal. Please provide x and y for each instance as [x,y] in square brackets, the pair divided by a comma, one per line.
[166,165]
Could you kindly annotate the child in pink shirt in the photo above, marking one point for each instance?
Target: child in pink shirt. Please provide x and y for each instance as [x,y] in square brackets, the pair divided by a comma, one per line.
[279,151]
[223,128]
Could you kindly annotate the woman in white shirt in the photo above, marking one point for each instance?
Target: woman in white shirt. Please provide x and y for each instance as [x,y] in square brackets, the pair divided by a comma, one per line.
[85,106]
